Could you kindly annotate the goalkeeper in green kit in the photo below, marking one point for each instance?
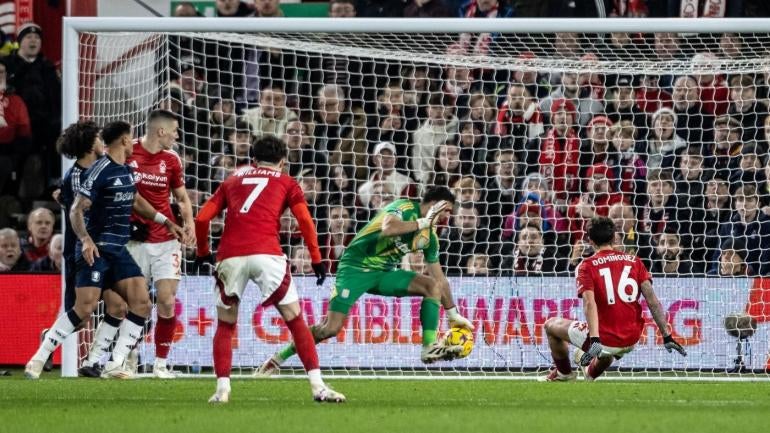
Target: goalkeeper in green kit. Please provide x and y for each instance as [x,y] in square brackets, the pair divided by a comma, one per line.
[369,265]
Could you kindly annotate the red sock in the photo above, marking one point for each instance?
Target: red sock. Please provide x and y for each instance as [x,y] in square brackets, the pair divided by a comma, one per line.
[164,336]
[595,368]
[223,348]
[304,342]
[563,365]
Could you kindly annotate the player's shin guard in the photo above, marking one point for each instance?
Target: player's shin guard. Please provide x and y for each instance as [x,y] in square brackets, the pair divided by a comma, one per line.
[223,349]
[64,326]
[429,312]
[129,334]
[164,336]
[103,338]
[305,344]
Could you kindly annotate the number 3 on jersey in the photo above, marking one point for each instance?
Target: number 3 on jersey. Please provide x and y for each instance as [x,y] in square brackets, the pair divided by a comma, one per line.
[623,286]
[259,185]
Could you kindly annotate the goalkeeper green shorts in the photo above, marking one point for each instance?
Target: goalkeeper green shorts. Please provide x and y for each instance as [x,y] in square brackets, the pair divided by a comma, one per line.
[352,283]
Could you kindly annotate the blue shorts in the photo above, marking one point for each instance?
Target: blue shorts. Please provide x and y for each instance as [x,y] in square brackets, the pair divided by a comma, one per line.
[69,283]
[107,270]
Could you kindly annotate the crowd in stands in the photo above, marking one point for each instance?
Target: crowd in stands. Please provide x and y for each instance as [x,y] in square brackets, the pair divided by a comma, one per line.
[679,161]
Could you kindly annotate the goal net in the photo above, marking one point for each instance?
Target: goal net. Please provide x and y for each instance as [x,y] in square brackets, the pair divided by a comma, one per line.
[665,130]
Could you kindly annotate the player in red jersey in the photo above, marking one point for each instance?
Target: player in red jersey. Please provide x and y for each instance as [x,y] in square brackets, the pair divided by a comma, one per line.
[609,282]
[255,197]
[158,174]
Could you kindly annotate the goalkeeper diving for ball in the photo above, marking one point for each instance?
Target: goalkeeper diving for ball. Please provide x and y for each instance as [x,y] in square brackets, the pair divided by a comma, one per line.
[369,263]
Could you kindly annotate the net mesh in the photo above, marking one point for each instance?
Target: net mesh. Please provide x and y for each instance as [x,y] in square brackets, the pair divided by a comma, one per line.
[665,133]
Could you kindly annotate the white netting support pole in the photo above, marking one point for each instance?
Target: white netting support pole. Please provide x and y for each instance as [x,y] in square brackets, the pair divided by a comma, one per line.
[70,113]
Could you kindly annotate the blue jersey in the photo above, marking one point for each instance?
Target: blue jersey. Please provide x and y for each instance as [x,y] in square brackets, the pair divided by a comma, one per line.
[110,187]
[70,185]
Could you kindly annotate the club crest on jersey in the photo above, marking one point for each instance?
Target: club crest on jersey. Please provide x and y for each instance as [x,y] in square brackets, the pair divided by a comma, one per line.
[95,276]
[162,167]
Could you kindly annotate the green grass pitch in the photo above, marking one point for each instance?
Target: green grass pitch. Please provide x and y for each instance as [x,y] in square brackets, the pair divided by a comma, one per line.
[469,406]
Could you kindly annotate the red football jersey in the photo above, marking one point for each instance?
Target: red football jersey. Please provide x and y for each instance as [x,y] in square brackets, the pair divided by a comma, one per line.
[255,199]
[615,278]
[155,176]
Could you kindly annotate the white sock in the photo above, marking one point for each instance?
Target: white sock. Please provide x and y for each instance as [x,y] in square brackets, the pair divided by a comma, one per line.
[62,327]
[315,378]
[129,334]
[103,338]
[223,384]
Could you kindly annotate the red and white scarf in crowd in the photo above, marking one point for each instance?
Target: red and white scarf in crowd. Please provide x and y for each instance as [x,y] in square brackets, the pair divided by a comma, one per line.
[711,8]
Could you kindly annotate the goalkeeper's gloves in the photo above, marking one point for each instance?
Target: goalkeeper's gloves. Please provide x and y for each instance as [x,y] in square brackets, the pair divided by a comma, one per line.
[204,264]
[456,319]
[431,218]
[594,350]
[670,344]
[319,269]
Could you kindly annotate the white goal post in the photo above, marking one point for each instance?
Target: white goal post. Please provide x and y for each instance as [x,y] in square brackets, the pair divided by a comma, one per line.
[682,90]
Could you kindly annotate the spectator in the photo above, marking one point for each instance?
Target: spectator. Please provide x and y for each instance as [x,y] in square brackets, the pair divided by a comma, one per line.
[628,166]
[650,97]
[559,151]
[353,148]
[302,154]
[233,8]
[732,260]
[662,208]
[692,124]
[717,212]
[385,174]
[744,106]
[238,142]
[477,265]
[622,46]
[621,102]
[596,201]
[630,238]
[301,261]
[272,116]
[467,190]
[501,190]
[731,46]
[690,181]
[751,226]
[440,126]
[267,9]
[583,101]
[596,146]
[312,186]
[475,148]
[457,82]
[714,94]
[342,185]
[417,89]
[51,262]
[464,239]
[447,169]
[482,111]
[481,44]
[664,145]
[342,9]
[750,167]
[723,153]
[426,9]
[670,259]
[333,122]
[15,131]
[530,257]
[535,203]
[537,84]
[11,258]
[186,10]
[340,234]
[40,225]
[519,116]
[37,83]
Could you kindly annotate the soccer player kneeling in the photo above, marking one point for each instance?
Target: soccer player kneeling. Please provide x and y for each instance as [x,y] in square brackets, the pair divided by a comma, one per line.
[255,198]
[609,282]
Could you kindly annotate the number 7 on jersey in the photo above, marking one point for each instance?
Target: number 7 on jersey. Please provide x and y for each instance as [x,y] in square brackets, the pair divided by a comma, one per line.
[259,185]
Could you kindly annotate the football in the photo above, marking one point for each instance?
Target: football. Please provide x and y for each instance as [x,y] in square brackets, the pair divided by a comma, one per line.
[460,337]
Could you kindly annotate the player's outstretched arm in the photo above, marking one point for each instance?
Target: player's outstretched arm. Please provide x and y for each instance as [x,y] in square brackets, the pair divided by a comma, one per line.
[78,221]
[659,316]
[392,225]
[185,208]
[592,317]
[309,234]
[145,210]
[447,300]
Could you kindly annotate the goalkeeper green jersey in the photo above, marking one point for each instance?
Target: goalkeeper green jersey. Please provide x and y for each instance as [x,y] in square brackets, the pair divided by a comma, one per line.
[372,251]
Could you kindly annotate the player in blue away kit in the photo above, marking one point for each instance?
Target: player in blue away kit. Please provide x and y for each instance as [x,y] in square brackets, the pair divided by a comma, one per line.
[101,259]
